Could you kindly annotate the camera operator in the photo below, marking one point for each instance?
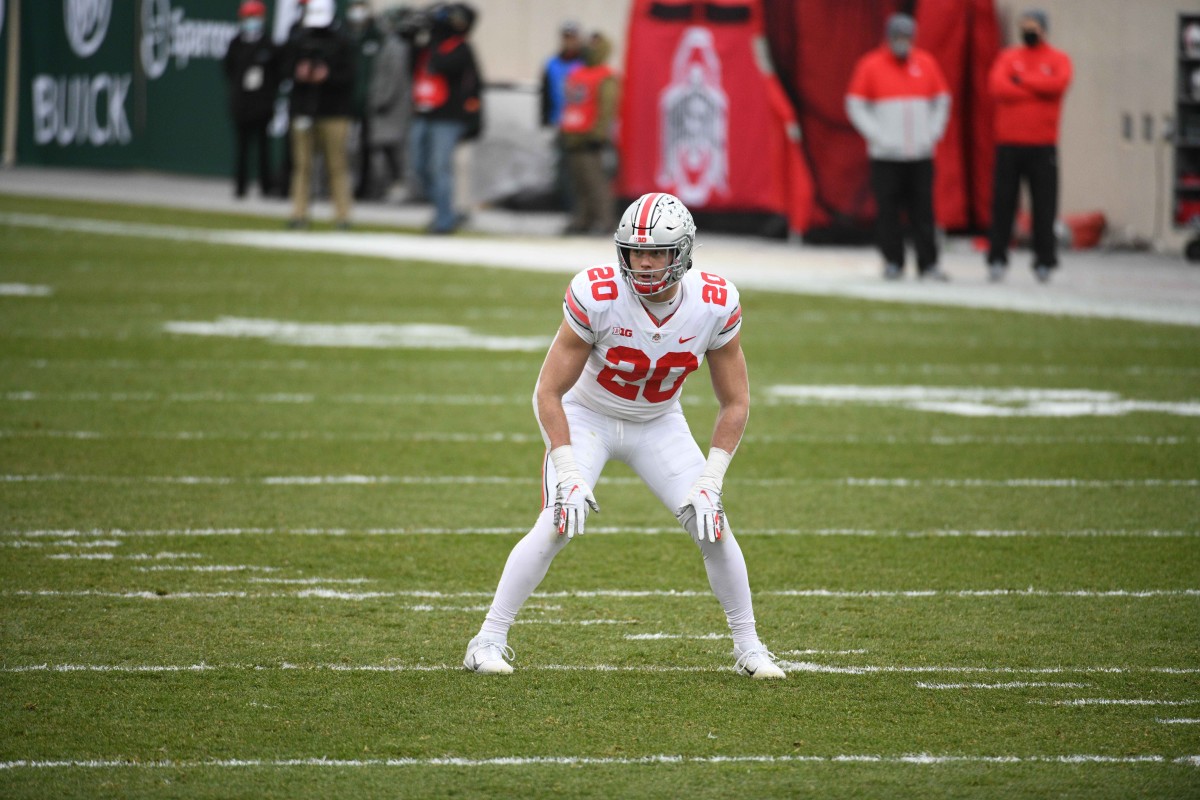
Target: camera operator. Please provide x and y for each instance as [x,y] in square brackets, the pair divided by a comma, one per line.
[446,99]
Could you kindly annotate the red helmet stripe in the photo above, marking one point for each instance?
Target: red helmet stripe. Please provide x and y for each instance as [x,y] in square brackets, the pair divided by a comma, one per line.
[647,209]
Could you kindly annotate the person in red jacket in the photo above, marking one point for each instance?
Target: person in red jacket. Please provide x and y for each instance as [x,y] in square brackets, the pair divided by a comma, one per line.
[1027,82]
[899,101]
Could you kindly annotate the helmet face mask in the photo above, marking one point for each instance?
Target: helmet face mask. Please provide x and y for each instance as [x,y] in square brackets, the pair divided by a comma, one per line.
[656,222]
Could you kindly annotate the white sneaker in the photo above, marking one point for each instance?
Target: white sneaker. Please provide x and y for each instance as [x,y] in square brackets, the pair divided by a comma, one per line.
[488,657]
[757,663]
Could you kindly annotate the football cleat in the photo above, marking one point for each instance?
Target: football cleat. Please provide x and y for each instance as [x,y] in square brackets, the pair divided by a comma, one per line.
[757,663]
[488,657]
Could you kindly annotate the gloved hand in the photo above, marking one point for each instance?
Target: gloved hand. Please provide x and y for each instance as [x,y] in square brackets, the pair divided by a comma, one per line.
[705,497]
[573,496]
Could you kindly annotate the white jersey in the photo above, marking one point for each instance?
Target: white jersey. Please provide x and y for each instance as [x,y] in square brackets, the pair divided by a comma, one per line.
[637,366]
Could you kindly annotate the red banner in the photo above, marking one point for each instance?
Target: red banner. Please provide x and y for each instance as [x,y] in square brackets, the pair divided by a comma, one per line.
[703,115]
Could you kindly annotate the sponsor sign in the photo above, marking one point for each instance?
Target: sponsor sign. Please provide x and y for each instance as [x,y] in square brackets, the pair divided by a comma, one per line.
[136,83]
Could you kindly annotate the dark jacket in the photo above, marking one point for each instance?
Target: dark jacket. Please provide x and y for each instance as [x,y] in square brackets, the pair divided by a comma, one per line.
[334,97]
[450,61]
[252,75]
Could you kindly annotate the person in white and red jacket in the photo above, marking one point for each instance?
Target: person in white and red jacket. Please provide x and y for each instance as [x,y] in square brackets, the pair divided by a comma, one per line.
[899,101]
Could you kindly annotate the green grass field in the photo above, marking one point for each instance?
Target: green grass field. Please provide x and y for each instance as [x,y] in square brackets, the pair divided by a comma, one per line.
[234,567]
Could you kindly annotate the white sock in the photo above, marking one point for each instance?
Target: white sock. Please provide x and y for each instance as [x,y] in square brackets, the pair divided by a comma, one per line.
[730,582]
[526,566]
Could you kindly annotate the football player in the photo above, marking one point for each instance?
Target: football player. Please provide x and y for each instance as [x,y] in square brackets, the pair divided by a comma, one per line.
[609,389]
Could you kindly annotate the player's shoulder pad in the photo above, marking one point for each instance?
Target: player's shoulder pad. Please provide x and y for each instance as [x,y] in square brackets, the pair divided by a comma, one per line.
[717,293]
[597,285]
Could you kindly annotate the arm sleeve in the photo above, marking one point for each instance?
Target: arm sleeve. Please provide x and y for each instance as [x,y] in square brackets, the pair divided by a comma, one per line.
[450,63]
[1050,86]
[385,78]
[939,115]
[610,91]
[546,100]
[729,321]
[575,309]
[1000,82]
[858,104]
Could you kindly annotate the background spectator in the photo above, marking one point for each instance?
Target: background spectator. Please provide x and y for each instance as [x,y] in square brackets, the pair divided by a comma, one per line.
[554,79]
[588,122]
[899,101]
[320,60]
[446,86]
[1028,82]
[251,68]
[390,99]
[367,39]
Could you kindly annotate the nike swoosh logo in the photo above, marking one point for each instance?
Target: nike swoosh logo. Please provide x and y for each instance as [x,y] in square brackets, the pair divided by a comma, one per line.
[685,341]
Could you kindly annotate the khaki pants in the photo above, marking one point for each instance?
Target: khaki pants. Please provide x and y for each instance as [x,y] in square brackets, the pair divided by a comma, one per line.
[593,193]
[332,133]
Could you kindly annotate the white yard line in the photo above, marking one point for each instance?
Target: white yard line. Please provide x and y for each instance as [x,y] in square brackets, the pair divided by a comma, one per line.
[592,530]
[134,557]
[1178,721]
[25,290]
[1107,701]
[1009,685]
[887,669]
[915,759]
[886,594]
[433,480]
[503,437]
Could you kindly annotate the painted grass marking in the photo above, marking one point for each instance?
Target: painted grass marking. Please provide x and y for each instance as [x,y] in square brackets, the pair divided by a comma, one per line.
[601,530]
[833,669]
[1105,701]
[428,480]
[25,396]
[25,290]
[981,401]
[308,581]
[1010,685]
[654,637]
[628,594]
[351,335]
[499,437]
[916,759]
[1178,721]
[822,652]
[133,557]
[64,543]
[208,568]
[649,668]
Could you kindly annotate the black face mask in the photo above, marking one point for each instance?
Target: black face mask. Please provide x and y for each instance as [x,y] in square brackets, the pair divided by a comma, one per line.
[1031,38]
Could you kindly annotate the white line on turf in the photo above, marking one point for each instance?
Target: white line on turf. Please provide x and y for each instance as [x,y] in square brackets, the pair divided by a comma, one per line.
[648,668]
[1107,701]
[209,568]
[1009,685]
[916,759]
[625,594]
[1178,721]
[608,530]
[134,557]
[499,437]
[654,637]
[424,480]
[286,398]
[64,543]
[25,290]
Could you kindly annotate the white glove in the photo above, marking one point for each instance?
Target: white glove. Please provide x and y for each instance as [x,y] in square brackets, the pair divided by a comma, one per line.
[572,497]
[705,497]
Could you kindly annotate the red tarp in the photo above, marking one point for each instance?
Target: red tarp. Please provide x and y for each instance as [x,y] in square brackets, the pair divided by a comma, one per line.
[704,117]
[816,44]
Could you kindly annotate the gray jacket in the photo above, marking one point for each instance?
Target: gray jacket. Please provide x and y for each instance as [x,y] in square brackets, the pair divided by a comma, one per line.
[390,97]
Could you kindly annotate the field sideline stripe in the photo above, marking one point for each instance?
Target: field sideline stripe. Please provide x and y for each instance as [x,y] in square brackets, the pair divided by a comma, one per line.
[503,437]
[918,759]
[1009,685]
[426,480]
[794,666]
[117,533]
[836,594]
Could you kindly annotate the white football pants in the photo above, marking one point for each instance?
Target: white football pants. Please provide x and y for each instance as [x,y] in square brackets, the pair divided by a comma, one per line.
[664,455]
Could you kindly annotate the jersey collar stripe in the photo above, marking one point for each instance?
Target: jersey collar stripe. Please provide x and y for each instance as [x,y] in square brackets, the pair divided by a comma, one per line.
[734,319]
[576,311]
[656,322]
[646,211]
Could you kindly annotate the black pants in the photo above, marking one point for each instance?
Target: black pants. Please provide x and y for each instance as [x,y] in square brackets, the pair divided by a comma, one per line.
[253,134]
[905,186]
[364,183]
[1038,166]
